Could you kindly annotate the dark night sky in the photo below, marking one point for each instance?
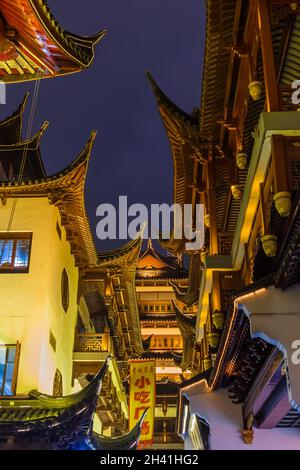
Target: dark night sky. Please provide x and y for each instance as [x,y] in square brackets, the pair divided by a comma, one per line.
[131,154]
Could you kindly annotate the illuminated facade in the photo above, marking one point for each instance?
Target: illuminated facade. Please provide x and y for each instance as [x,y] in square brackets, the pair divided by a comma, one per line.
[164,337]
[239,156]
[61,315]
[224,336]
[65,309]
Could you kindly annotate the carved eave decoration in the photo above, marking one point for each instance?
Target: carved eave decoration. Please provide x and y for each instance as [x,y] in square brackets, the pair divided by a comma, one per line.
[154,266]
[177,358]
[183,133]
[220,15]
[147,343]
[191,295]
[66,191]
[30,149]
[11,127]
[32,41]
[187,326]
[58,423]
[165,356]
[122,263]
[127,441]
[61,423]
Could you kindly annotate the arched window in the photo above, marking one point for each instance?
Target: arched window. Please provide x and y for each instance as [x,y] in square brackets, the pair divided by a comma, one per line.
[65,294]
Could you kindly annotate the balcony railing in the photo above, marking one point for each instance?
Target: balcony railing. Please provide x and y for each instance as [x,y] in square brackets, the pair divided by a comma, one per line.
[92,342]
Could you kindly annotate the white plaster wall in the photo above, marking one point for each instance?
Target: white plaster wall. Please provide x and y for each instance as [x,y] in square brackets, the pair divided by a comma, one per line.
[225,420]
[30,304]
[275,314]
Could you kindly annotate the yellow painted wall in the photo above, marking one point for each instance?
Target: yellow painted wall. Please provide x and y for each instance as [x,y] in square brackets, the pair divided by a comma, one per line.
[30,304]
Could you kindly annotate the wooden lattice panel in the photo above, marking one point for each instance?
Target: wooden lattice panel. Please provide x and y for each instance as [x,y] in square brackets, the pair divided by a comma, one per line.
[225,243]
[292,151]
[93,343]
[281,8]
[227,299]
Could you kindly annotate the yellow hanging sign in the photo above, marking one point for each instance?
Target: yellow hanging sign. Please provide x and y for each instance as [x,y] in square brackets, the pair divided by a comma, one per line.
[142,397]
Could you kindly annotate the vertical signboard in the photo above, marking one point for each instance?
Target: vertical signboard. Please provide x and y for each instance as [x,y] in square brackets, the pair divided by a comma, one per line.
[142,397]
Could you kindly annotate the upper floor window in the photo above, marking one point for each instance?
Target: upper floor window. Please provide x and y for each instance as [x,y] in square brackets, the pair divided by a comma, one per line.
[9,361]
[15,252]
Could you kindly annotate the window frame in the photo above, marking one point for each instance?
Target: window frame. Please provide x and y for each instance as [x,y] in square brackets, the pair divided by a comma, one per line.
[15,237]
[16,362]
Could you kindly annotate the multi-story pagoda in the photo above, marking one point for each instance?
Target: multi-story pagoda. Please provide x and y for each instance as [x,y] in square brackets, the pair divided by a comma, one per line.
[168,334]
[33,45]
[239,156]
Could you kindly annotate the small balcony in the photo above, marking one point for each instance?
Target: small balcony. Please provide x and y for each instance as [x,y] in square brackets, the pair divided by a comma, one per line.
[90,350]
[92,343]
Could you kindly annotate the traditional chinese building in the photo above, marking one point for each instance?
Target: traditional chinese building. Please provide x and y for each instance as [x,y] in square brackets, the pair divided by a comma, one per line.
[167,332]
[33,45]
[239,156]
[63,315]
[47,423]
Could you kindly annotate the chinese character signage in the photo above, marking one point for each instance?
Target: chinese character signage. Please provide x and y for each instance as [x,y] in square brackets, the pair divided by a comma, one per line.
[142,397]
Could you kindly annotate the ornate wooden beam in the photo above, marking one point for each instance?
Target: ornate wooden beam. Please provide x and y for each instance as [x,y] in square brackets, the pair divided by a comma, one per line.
[270,74]
[214,245]
[263,212]
[217,302]
[279,164]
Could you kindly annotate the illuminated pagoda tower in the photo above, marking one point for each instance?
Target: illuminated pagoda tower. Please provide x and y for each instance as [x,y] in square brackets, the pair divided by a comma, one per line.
[33,45]
[168,335]
[60,313]
[239,156]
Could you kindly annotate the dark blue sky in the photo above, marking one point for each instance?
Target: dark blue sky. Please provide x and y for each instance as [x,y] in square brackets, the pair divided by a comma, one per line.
[131,155]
